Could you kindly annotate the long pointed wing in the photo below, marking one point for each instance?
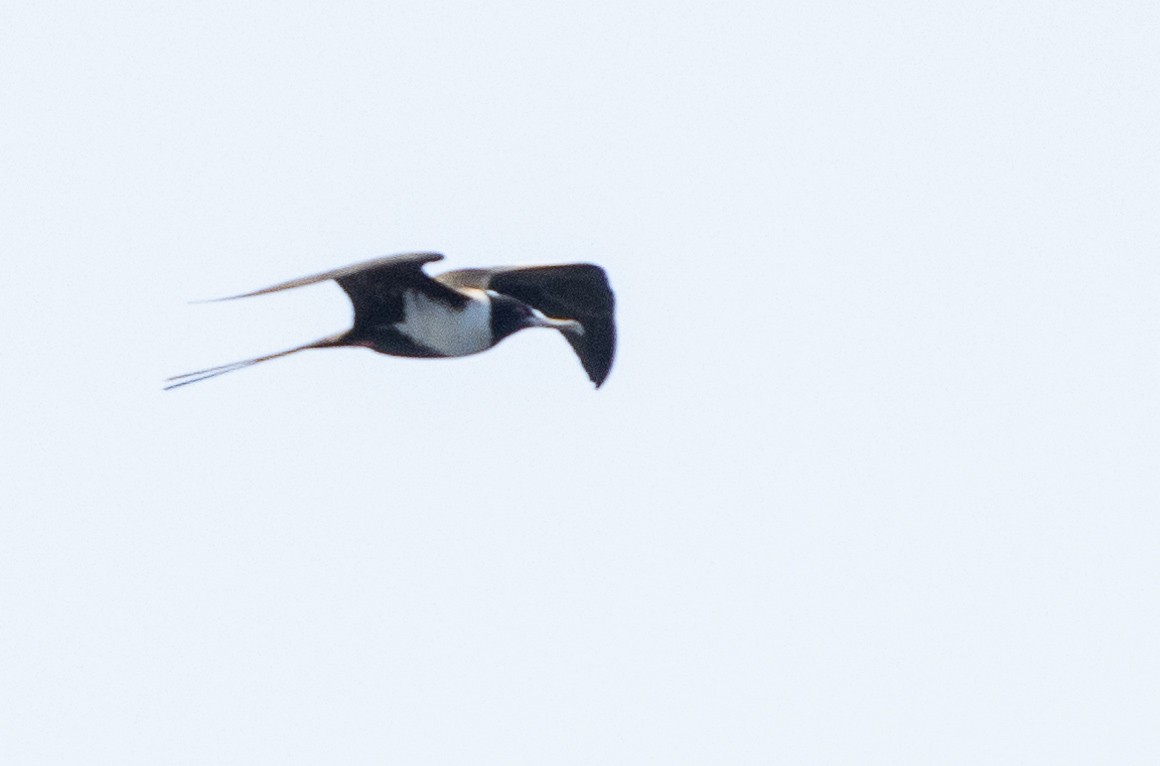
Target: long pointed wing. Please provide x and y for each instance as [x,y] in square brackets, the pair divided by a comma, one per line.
[362,271]
[577,291]
[375,287]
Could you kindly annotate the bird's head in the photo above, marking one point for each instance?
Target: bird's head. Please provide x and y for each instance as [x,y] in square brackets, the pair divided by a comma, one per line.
[509,315]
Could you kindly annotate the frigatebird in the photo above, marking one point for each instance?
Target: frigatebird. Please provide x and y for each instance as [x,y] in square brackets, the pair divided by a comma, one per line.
[402,311]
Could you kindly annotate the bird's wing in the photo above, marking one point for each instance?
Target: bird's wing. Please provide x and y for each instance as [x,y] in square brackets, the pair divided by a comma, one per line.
[577,291]
[375,286]
[381,266]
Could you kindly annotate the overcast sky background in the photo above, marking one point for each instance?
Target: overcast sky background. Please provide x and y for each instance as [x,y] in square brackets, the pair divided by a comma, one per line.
[874,478]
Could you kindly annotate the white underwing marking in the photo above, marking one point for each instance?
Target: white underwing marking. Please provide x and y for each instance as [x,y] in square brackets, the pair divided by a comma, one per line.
[446,330]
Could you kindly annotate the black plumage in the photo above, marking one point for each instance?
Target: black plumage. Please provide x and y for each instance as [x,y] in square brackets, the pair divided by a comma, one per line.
[401,311]
[577,291]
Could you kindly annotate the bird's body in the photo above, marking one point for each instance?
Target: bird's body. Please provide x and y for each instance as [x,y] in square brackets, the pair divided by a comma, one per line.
[446,330]
[401,311]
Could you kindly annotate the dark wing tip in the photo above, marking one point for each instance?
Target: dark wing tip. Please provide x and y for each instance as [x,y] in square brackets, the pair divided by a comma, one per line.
[577,291]
[596,348]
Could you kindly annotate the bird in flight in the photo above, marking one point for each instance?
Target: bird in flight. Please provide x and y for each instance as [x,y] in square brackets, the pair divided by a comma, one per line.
[401,311]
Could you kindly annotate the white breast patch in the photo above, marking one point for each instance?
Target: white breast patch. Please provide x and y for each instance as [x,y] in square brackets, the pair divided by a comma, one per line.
[444,330]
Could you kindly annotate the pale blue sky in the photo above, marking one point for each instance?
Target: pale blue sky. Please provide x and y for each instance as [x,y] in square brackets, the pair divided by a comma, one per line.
[874,478]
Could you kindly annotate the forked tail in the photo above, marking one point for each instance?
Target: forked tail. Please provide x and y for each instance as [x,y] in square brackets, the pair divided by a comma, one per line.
[193,377]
